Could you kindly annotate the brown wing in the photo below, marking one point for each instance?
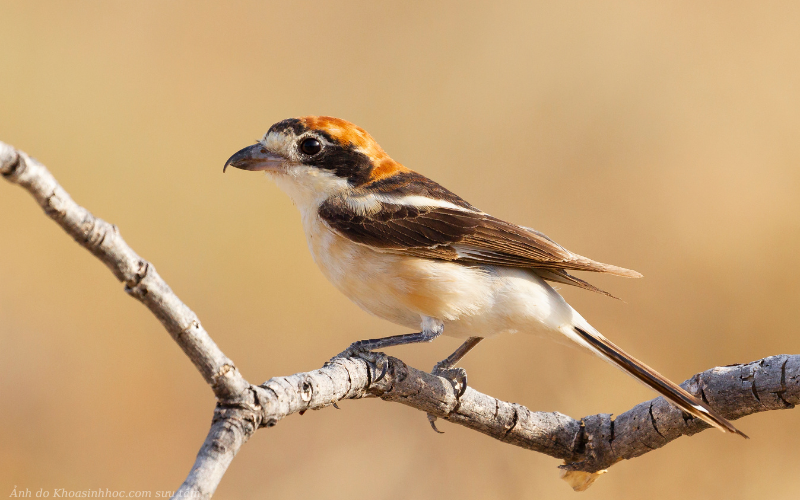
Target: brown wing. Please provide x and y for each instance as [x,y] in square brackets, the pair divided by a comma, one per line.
[461,235]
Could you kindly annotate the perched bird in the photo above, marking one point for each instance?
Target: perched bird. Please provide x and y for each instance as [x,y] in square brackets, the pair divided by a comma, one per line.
[407,250]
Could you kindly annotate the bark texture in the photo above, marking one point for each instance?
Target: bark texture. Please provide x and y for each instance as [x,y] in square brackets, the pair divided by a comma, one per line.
[588,445]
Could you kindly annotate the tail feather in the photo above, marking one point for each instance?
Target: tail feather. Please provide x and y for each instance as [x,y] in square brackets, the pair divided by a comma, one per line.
[670,390]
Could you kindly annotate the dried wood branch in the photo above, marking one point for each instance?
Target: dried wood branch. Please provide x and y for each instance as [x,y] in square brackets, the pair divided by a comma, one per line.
[587,446]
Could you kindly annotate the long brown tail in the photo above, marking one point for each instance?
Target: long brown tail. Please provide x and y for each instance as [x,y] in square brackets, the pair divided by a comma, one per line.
[670,390]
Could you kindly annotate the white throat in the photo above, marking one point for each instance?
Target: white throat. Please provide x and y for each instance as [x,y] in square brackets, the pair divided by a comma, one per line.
[307,186]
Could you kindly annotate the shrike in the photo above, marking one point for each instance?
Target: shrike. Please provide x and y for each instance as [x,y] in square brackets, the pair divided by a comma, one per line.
[407,250]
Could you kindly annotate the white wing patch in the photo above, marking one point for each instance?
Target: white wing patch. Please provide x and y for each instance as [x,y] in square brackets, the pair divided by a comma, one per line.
[371,203]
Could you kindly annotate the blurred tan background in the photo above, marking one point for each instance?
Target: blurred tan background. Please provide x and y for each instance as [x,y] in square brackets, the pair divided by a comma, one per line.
[657,136]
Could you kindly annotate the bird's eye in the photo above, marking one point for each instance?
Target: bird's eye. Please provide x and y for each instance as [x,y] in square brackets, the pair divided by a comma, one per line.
[310,146]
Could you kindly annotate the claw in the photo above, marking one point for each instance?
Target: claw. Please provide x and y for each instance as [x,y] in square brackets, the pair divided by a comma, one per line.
[336,406]
[383,371]
[456,376]
[372,358]
[463,384]
[432,420]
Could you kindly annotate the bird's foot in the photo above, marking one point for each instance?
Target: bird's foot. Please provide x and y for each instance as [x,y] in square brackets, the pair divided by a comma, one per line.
[457,377]
[377,361]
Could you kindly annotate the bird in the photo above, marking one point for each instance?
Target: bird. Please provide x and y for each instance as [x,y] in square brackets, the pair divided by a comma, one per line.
[408,250]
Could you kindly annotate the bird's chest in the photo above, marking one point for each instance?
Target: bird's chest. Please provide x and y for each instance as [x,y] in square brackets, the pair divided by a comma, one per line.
[398,288]
[345,264]
[368,278]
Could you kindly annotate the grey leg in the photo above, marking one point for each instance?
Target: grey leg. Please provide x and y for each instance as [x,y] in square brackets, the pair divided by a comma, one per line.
[451,360]
[382,343]
[458,376]
[363,348]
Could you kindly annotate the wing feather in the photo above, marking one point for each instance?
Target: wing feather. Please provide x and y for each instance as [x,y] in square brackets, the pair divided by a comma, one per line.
[460,234]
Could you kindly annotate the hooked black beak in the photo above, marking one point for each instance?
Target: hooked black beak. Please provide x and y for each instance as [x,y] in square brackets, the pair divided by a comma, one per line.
[255,157]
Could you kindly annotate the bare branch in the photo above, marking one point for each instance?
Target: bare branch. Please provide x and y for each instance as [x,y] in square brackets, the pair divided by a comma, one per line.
[588,445]
[139,276]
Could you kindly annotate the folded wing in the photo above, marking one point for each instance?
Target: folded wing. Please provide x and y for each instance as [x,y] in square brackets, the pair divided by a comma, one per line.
[436,229]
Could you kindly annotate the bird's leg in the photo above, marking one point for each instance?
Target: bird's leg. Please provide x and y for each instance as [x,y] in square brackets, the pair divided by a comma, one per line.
[457,376]
[381,343]
[363,348]
[447,367]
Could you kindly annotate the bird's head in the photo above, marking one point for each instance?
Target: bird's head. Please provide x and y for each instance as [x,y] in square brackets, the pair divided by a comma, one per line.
[315,157]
